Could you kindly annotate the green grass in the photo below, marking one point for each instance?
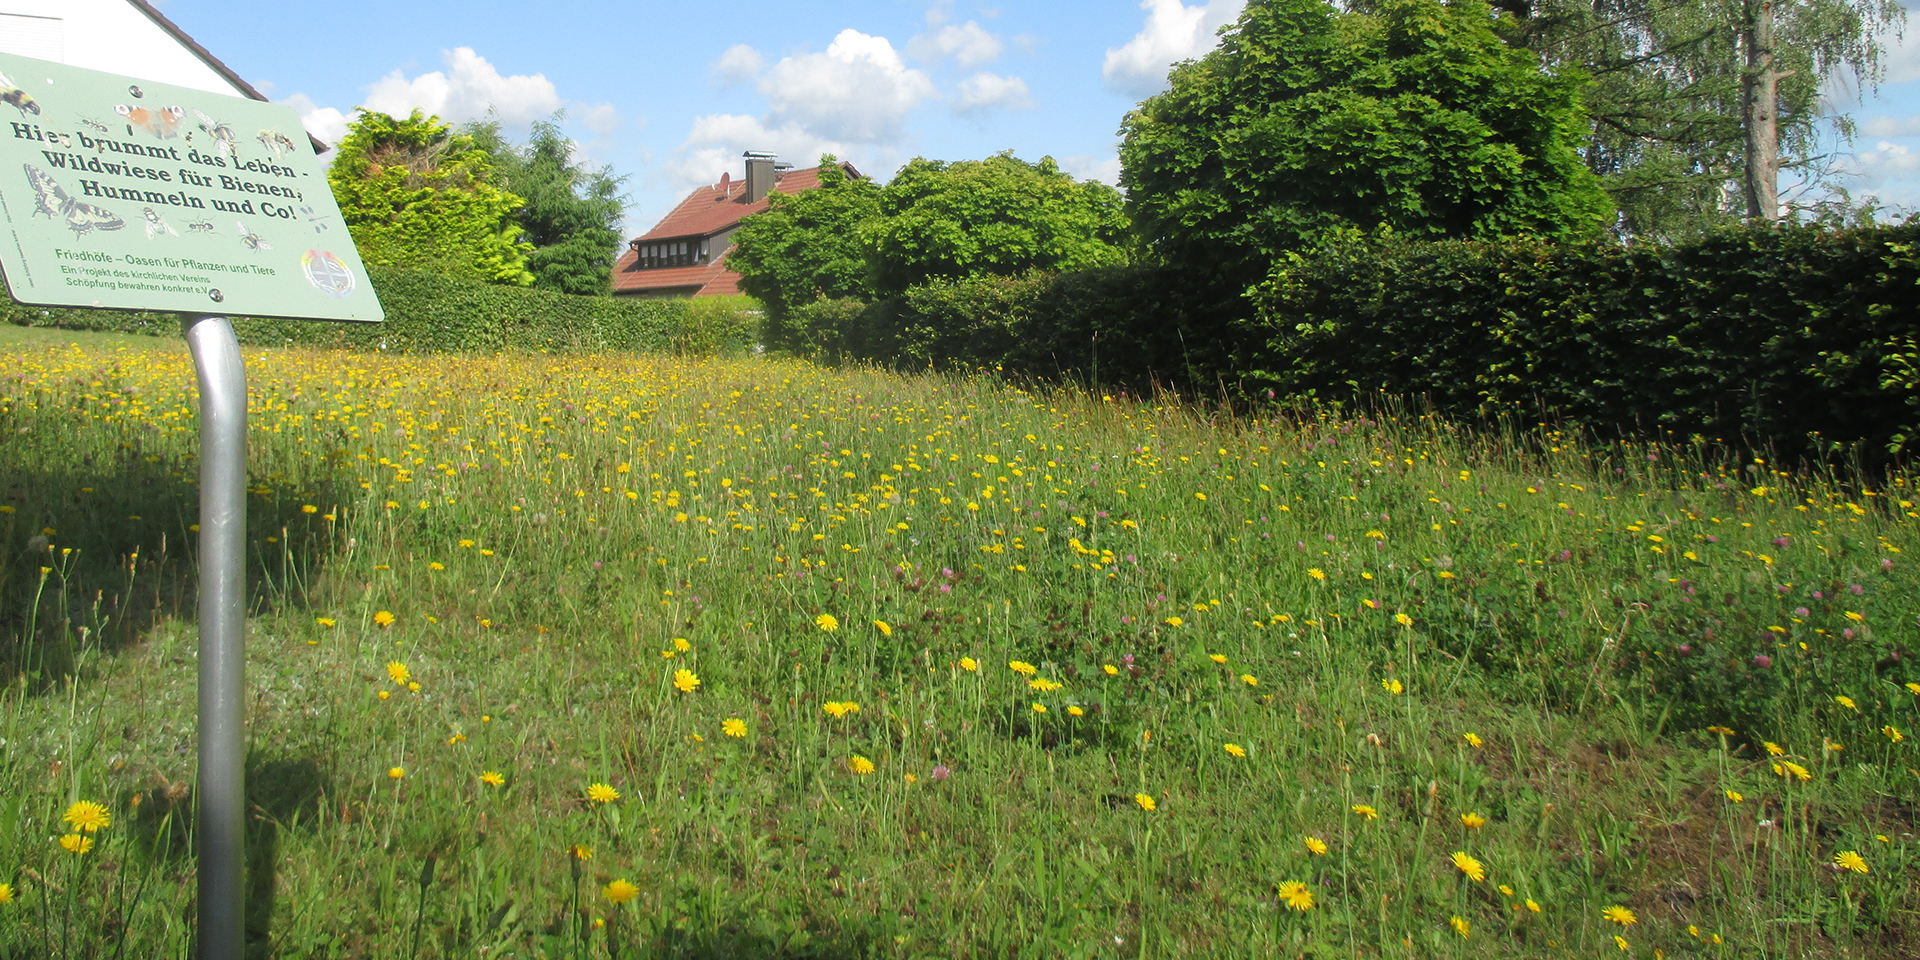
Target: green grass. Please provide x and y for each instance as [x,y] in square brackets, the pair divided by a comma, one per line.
[1353,597]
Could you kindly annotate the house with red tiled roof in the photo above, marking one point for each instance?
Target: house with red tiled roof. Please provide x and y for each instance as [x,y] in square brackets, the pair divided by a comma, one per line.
[685,254]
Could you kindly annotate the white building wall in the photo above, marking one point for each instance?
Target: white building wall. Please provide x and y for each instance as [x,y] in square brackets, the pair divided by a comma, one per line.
[112,36]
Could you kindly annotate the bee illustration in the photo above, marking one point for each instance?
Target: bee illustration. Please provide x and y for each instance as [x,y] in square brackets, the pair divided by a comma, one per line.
[95,124]
[316,218]
[253,240]
[163,122]
[277,142]
[201,225]
[155,225]
[226,143]
[10,92]
[81,218]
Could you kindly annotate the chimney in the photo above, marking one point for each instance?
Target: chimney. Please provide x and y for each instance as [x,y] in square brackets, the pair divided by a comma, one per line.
[759,174]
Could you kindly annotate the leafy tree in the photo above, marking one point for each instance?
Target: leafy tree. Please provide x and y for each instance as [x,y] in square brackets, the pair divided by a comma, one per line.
[805,246]
[572,214]
[1698,105]
[415,193]
[1309,121]
[998,216]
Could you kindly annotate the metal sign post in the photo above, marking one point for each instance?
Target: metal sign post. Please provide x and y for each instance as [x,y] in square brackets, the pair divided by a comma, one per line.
[120,193]
[219,804]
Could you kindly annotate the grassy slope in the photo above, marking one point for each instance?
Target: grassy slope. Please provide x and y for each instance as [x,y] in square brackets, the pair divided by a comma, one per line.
[1350,600]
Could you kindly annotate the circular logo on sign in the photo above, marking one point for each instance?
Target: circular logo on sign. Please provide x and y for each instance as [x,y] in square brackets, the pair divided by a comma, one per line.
[327,273]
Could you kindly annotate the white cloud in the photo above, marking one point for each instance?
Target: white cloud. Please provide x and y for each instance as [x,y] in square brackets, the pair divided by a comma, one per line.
[714,144]
[1173,32]
[1890,172]
[739,63]
[985,91]
[968,45]
[858,90]
[1105,169]
[465,91]
[1892,127]
[327,124]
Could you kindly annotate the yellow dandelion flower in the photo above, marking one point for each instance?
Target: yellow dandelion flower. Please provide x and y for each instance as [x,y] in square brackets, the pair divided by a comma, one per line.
[1461,926]
[1317,573]
[492,778]
[6,893]
[1793,769]
[1914,688]
[1044,685]
[680,645]
[1234,750]
[1472,821]
[1145,800]
[1723,731]
[1403,620]
[1471,740]
[969,664]
[886,629]
[1893,733]
[860,765]
[1621,942]
[686,681]
[827,622]
[1533,905]
[1297,896]
[1039,708]
[1074,710]
[1200,496]
[1217,657]
[1173,621]
[1366,811]
[1022,668]
[733,727]
[397,773]
[1392,686]
[466,544]
[87,816]
[1773,749]
[324,621]
[399,673]
[1315,845]
[383,618]
[620,891]
[1847,702]
[602,793]
[580,852]
[76,844]
[1736,796]
[1850,860]
[1620,915]
[1474,869]
[1249,679]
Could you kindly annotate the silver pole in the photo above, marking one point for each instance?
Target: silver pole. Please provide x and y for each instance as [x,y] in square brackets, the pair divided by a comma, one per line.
[219,800]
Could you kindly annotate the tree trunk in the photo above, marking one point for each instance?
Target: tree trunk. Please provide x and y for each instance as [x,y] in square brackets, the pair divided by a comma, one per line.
[1762,86]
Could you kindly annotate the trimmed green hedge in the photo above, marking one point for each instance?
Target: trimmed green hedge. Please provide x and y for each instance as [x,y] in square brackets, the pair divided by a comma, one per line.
[1793,337]
[430,312]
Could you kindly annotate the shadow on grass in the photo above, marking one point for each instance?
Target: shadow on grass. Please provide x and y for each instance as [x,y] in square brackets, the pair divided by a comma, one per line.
[93,554]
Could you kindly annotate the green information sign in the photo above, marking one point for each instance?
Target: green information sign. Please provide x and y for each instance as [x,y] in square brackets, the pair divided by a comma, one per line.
[126,194]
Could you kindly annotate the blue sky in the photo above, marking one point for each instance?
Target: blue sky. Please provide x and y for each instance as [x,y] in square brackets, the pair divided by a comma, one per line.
[669,94]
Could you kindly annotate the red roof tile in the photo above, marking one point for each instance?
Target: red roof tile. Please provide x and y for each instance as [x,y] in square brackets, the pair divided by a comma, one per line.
[712,279]
[708,210]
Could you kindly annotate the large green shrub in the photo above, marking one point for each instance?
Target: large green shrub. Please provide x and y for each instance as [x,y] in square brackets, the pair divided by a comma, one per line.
[430,312]
[1791,336]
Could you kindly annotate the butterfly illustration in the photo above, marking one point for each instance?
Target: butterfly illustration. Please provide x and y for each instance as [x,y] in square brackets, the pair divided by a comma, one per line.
[277,142]
[81,218]
[155,225]
[10,92]
[318,219]
[226,143]
[95,124]
[253,240]
[163,122]
[201,226]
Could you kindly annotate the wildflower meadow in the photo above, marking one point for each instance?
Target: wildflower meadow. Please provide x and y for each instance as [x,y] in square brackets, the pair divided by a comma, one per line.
[622,656]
